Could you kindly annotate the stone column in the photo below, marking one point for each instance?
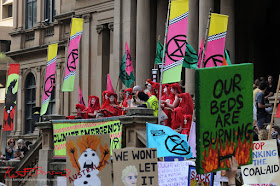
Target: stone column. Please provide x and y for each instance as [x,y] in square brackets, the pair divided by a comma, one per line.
[192,39]
[162,6]
[15,14]
[204,6]
[21,15]
[39,86]
[84,62]
[19,123]
[143,42]
[228,8]
[117,44]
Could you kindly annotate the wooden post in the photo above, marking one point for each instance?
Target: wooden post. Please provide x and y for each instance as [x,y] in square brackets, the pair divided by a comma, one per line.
[274,108]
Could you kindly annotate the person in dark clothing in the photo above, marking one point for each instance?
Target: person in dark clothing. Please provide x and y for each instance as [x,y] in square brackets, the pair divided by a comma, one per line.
[262,115]
[271,88]
[9,153]
[22,147]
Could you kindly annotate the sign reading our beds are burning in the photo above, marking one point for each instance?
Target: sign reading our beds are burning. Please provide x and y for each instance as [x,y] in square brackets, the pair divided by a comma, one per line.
[224,116]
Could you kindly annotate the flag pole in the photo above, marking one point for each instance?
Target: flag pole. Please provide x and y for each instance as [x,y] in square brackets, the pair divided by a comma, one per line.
[205,39]
[162,60]
[274,108]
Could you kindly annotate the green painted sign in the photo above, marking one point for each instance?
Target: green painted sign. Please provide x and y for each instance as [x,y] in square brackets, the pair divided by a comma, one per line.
[224,116]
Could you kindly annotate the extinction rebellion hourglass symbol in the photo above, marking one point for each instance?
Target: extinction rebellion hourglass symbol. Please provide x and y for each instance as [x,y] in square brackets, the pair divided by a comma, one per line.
[72,60]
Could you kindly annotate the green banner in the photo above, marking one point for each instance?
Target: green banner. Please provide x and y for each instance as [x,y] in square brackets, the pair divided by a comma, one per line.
[224,116]
[63,129]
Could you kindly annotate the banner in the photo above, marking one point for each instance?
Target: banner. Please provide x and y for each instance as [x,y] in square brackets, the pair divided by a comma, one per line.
[195,179]
[192,139]
[109,84]
[88,160]
[159,52]
[81,98]
[11,97]
[73,54]
[176,41]
[135,166]
[191,58]
[226,59]
[224,116]
[76,128]
[167,141]
[216,40]
[50,77]
[128,62]
[173,173]
[265,167]
[125,78]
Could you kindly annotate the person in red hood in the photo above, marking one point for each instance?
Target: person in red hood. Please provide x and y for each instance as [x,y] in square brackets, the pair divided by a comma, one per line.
[104,96]
[93,107]
[80,108]
[182,115]
[111,107]
[126,103]
[172,102]
[165,92]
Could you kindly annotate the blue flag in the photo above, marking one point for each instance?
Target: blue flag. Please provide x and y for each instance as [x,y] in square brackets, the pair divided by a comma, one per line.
[167,141]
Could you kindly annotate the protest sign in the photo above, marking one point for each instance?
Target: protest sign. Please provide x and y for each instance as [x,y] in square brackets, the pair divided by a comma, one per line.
[167,141]
[135,166]
[224,116]
[199,179]
[63,128]
[265,167]
[173,173]
[88,158]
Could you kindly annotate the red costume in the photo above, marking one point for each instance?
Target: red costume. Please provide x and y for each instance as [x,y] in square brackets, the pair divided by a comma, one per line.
[92,106]
[103,96]
[171,97]
[82,108]
[111,109]
[165,94]
[124,103]
[183,111]
[155,86]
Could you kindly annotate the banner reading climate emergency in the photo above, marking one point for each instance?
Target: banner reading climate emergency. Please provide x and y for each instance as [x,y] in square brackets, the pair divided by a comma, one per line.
[64,128]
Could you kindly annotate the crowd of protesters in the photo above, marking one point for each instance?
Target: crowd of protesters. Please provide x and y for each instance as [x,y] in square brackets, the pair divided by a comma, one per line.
[15,150]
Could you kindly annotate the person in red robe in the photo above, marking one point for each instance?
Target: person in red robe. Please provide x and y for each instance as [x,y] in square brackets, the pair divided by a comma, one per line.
[93,107]
[165,92]
[80,108]
[111,107]
[127,100]
[104,96]
[182,115]
[172,102]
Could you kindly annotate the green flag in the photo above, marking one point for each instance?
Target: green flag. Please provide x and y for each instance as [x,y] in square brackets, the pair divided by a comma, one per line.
[126,79]
[159,53]
[227,57]
[190,60]
[191,57]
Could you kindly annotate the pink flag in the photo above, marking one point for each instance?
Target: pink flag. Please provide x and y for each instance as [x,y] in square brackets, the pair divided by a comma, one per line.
[109,84]
[81,98]
[200,53]
[216,41]
[128,62]
[277,115]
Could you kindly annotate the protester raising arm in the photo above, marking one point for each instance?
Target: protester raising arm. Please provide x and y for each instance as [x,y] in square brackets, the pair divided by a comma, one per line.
[232,171]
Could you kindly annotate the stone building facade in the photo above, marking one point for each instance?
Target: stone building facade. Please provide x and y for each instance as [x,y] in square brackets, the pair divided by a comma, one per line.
[108,25]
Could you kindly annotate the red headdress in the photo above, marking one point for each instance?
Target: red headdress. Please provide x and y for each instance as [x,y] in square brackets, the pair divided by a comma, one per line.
[124,103]
[95,106]
[115,110]
[107,102]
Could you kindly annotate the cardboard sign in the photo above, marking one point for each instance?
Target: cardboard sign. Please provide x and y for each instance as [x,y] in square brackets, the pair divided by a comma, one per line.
[173,173]
[135,166]
[63,128]
[199,179]
[265,168]
[88,158]
[224,116]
